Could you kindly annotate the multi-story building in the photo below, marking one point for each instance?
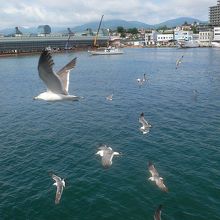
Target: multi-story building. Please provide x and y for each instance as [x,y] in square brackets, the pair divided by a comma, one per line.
[151,38]
[214,14]
[217,34]
[205,38]
[164,38]
[180,35]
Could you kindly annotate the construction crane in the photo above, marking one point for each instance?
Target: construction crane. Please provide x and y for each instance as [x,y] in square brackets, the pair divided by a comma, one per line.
[96,37]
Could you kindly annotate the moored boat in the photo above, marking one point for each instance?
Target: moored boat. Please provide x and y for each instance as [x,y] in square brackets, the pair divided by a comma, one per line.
[106,51]
[188,44]
[215,44]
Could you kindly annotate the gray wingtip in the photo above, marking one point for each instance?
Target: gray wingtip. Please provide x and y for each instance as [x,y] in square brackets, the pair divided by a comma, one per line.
[150,163]
[45,57]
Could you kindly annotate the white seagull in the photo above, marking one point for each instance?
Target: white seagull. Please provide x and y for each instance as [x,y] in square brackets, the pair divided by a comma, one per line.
[155,177]
[145,125]
[57,83]
[59,183]
[110,97]
[141,81]
[157,214]
[107,154]
[179,61]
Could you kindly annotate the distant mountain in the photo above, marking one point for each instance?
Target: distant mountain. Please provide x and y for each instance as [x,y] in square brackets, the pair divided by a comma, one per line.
[178,21]
[111,24]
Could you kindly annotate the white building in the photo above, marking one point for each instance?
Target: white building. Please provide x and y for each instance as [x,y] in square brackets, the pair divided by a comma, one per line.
[181,35]
[216,34]
[205,38]
[164,38]
[151,38]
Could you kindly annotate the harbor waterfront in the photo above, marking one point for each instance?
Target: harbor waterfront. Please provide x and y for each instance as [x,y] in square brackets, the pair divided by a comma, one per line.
[27,43]
[37,137]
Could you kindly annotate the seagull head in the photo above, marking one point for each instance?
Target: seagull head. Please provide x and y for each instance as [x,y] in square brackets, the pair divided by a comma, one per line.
[35,98]
[41,96]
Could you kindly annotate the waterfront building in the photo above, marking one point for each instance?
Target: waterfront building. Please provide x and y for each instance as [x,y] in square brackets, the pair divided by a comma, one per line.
[150,38]
[181,35]
[205,38]
[204,27]
[164,38]
[216,34]
[35,43]
[195,37]
[214,14]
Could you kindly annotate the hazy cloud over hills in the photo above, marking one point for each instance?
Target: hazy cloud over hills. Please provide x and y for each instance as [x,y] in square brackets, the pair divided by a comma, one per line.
[73,12]
[112,24]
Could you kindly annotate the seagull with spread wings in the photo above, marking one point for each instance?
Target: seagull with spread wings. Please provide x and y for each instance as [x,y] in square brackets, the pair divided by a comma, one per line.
[155,177]
[179,61]
[141,81]
[109,97]
[60,184]
[107,154]
[145,125]
[57,83]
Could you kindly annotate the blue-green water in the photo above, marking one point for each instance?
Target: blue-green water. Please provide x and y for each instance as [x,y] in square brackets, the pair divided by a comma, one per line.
[38,137]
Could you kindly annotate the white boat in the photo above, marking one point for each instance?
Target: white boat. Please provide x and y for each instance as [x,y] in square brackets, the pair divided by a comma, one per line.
[188,44]
[106,51]
[215,44]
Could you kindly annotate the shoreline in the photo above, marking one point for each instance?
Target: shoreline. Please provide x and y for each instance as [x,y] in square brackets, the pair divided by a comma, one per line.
[84,49]
[39,52]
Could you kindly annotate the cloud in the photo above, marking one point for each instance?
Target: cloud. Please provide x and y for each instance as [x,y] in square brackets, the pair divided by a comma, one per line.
[74,12]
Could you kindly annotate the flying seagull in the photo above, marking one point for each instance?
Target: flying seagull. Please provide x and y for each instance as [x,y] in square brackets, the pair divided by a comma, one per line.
[179,61]
[110,97]
[57,83]
[141,81]
[155,177]
[59,183]
[157,214]
[107,154]
[145,125]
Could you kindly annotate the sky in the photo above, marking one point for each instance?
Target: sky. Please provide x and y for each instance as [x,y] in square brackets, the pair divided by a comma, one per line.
[71,13]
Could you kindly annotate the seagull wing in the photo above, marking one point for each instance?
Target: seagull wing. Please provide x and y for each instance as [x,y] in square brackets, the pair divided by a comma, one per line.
[143,122]
[65,72]
[152,170]
[157,214]
[161,185]
[46,73]
[56,178]
[177,62]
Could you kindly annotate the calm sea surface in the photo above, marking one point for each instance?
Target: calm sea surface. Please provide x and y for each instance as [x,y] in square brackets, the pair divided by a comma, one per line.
[38,137]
